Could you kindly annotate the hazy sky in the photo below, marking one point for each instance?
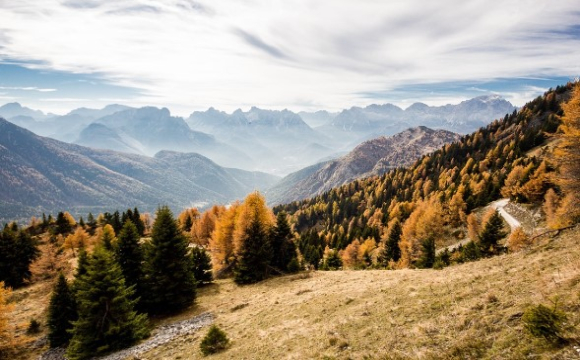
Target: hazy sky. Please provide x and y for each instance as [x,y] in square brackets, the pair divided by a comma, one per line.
[188,55]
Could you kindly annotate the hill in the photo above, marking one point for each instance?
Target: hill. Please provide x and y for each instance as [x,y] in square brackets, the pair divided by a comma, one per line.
[448,184]
[471,310]
[373,157]
[44,175]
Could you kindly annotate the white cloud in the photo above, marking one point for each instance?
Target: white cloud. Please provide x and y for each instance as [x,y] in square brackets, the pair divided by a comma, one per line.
[27,88]
[276,53]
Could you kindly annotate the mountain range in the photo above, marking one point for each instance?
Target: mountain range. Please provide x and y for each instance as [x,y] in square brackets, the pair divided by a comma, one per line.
[372,157]
[40,174]
[277,142]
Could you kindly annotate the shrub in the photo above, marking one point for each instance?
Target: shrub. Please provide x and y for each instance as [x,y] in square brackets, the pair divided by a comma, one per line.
[214,341]
[33,327]
[545,322]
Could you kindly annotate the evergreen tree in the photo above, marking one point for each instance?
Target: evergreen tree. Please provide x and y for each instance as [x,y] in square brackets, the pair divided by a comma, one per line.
[91,223]
[138,222]
[283,248]
[17,252]
[392,251]
[332,261]
[116,222]
[428,253]
[171,285]
[63,225]
[253,262]
[201,265]
[129,256]
[62,312]
[490,235]
[107,320]
[82,265]
[108,237]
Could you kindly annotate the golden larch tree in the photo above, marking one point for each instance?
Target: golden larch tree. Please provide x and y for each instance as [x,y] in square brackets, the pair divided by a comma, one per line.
[568,156]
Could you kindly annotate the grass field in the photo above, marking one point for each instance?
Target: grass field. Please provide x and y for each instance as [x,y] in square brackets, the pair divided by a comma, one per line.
[469,311]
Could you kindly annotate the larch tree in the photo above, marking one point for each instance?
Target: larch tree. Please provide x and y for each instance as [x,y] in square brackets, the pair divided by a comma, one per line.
[221,243]
[425,223]
[6,329]
[252,245]
[170,282]
[62,311]
[568,155]
[107,320]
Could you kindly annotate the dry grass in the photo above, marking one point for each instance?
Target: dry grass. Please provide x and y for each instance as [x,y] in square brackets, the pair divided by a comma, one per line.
[470,311]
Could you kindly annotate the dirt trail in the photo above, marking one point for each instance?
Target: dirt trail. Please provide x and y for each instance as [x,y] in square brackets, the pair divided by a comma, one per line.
[161,335]
[500,205]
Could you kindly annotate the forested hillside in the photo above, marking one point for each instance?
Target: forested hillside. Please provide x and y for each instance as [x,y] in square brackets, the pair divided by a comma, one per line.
[426,202]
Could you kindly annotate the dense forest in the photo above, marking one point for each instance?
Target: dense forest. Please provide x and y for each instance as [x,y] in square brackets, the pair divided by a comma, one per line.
[423,205]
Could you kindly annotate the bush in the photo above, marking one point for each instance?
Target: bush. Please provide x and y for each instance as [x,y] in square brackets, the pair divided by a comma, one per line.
[542,321]
[214,341]
[33,327]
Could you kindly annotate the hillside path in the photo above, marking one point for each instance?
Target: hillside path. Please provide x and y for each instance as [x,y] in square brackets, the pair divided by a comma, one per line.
[161,335]
[500,205]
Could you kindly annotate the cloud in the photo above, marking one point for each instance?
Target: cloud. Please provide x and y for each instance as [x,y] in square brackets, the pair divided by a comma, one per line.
[27,88]
[260,44]
[192,54]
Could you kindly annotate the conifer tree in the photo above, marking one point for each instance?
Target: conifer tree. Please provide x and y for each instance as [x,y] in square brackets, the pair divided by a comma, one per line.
[17,252]
[63,225]
[253,261]
[107,320]
[139,224]
[62,312]
[6,329]
[129,255]
[428,253]
[108,237]
[283,248]
[492,233]
[201,265]
[392,250]
[171,285]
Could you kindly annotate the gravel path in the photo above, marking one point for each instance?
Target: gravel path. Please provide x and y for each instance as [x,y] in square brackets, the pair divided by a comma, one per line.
[161,335]
[500,205]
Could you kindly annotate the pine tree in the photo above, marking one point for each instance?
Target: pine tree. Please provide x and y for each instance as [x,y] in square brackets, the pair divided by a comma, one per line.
[108,237]
[107,320]
[138,222]
[62,224]
[171,285]
[253,261]
[392,250]
[129,256]
[17,252]
[491,234]
[62,312]
[283,248]
[428,253]
[201,265]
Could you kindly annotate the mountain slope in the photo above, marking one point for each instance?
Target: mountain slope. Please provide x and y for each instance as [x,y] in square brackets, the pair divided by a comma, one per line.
[449,183]
[42,174]
[373,157]
[380,120]
[149,130]
[280,141]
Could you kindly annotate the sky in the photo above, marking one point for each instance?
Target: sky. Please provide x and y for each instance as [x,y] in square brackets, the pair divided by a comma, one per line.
[186,55]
